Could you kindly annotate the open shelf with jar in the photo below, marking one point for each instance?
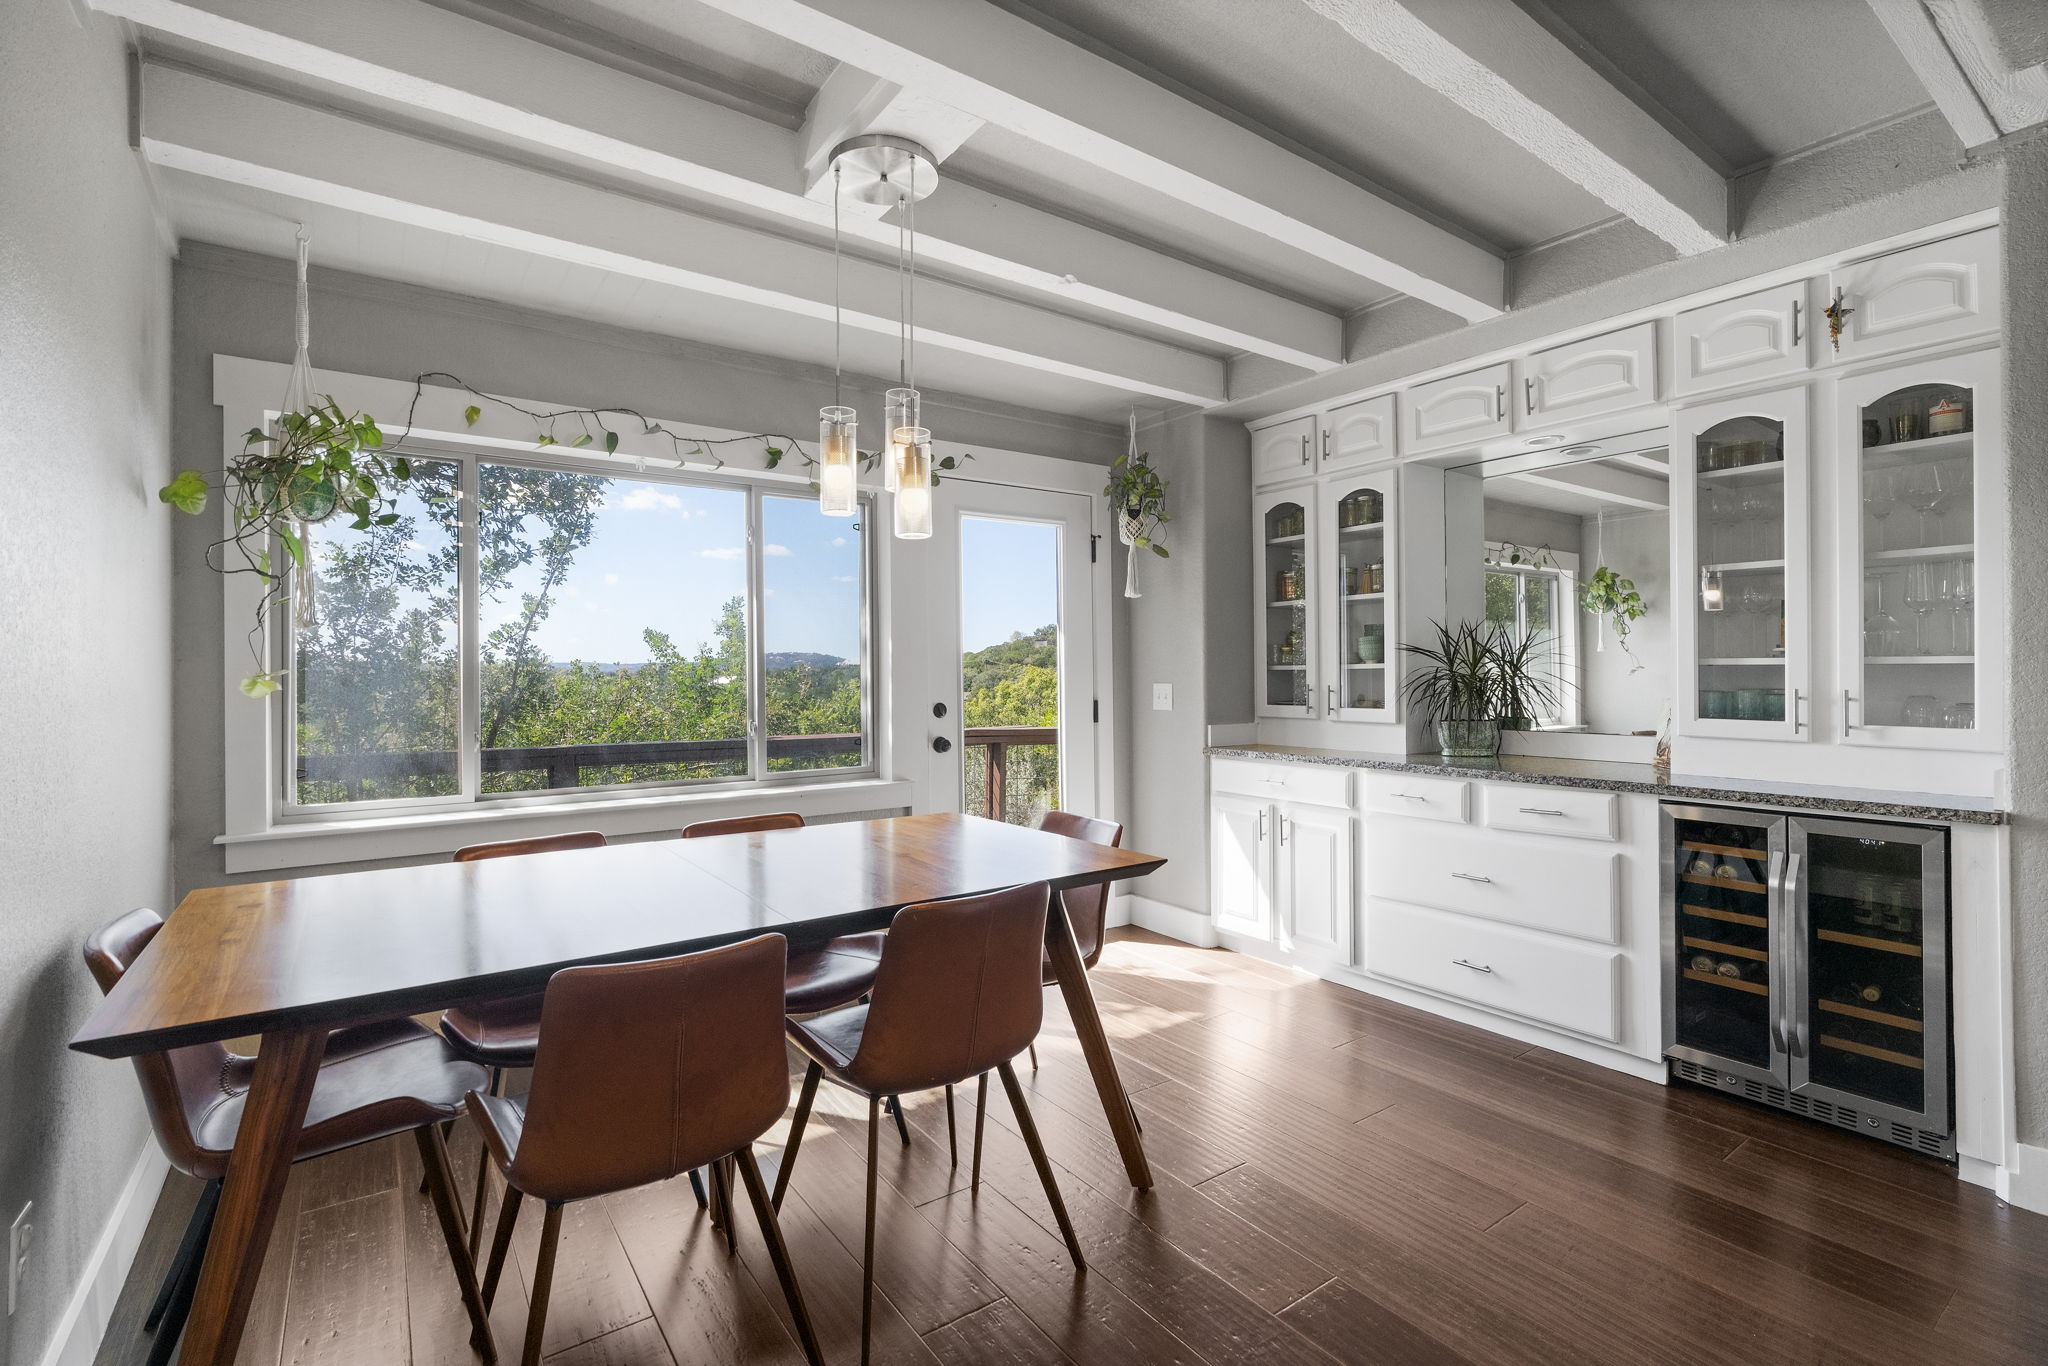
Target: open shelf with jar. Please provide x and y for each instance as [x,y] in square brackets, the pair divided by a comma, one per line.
[1918,547]
[1284,614]
[1359,565]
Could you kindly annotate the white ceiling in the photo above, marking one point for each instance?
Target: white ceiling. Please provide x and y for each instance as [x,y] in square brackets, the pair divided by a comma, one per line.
[1149,190]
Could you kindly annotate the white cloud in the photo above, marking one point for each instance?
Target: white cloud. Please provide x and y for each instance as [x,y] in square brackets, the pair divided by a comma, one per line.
[611,580]
[836,542]
[725,552]
[773,549]
[644,499]
[842,578]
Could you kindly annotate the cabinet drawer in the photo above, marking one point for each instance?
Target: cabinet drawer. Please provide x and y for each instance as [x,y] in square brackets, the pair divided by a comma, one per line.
[1320,785]
[1565,888]
[1406,794]
[1549,811]
[1539,977]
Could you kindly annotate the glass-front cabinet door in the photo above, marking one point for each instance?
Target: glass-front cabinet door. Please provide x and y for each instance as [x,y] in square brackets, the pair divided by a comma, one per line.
[1870,1022]
[1922,556]
[1721,931]
[1358,566]
[1283,608]
[1739,493]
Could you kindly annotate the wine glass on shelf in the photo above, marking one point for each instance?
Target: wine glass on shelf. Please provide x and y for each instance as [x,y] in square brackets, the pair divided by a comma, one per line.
[1756,599]
[1921,491]
[1880,628]
[1962,596]
[1754,506]
[1880,500]
[1923,591]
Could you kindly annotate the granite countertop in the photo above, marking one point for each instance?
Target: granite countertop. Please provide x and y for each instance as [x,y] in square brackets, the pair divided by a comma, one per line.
[1605,776]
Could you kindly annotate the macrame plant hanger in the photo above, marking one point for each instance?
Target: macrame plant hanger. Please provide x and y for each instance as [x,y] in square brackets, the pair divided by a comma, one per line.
[1129,526]
[298,397]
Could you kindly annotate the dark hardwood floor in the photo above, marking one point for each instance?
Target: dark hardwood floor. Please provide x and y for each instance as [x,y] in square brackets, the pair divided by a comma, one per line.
[1339,1179]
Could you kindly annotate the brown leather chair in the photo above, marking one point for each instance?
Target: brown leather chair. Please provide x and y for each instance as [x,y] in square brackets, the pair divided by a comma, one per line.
[1087,907]
[375,1081]
[958,994]
[645,1070]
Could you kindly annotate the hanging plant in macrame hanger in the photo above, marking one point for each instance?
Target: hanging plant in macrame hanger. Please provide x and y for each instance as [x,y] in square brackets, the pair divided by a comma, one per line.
[1137,499]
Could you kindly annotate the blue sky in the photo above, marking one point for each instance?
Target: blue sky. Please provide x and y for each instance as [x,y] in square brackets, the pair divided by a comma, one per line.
[668,556]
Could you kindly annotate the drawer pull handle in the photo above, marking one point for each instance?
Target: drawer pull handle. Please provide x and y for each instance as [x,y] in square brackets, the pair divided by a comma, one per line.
[1468,963]
[1409,796]
[1540,811]
[1471,877]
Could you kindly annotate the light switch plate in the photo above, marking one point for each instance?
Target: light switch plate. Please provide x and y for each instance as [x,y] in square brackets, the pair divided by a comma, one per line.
[19,1233]
[1162,697]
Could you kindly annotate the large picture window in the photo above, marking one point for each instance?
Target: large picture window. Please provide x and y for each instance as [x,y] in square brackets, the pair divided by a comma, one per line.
[529,628]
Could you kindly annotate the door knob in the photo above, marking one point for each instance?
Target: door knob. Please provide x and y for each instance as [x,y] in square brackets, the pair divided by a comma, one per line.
[940,744]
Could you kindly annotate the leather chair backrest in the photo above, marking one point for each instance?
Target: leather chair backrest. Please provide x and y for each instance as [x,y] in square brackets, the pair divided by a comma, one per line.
[957,991]
[178,1084]
[539,844]
[1085,905]
[744,825]
[646,1070]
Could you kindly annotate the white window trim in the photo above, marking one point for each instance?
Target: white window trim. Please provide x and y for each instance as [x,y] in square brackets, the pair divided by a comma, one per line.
[1564,568]
[253,837]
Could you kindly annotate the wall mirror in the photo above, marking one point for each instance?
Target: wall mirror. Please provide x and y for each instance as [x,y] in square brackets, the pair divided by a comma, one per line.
[1524,537]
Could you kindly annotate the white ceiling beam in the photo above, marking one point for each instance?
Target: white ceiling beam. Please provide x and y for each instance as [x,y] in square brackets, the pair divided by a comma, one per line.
[2016,96]
[228,133]
[1913,32]
[1499,65]
[1007,71]
[852,104]
[1595,480]
[481,82]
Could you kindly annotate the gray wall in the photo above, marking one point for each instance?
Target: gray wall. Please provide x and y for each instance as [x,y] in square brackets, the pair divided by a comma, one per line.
[238,304]
[1615,697]
[85,556]
[2026,425]
[1192,628]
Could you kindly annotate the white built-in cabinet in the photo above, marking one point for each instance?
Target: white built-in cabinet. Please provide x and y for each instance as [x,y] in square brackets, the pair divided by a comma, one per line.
[1755,339]
[1283,857]
[1326,624]
[1590,378]
[1285,450]
[1458,410]
[1938,292]
[1285,598]
[1358,434]
[1741,524]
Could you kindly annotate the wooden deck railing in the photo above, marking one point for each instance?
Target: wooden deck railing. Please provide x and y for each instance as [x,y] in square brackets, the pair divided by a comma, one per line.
[564,764]
[998,741]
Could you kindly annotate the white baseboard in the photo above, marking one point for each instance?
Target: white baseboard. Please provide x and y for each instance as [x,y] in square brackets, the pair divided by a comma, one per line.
[77,1338]
[2025,1182]
[1163,917]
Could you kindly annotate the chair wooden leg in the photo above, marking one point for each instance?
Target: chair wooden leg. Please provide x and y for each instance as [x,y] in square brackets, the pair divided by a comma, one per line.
[896,1109]
[697,1188]
[796,1130]
[778,1253]
[543,1282]
[980,1113]
[191,1247]
[867,1256]
[434,1157]
[952,1136]
[501,1241]
[1032,1048]
[478,1203]
[721,1199]
[1029,1130]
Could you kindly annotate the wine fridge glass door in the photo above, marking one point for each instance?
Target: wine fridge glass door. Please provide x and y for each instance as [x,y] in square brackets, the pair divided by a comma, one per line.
[1723,1004]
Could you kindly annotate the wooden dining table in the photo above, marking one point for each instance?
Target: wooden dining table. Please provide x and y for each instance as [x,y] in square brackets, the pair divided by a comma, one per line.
[293,959]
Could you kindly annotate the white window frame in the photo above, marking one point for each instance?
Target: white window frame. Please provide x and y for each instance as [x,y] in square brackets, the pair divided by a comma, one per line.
[1563,571]
[469,641]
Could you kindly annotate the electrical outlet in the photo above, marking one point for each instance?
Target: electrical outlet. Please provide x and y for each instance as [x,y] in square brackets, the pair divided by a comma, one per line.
[1162,697]
[19,1233]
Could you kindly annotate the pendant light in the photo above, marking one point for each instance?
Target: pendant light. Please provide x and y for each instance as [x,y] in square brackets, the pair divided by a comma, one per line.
[889,171]
[837,425]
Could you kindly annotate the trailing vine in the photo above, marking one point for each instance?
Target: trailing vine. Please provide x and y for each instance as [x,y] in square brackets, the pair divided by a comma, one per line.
[1608,594]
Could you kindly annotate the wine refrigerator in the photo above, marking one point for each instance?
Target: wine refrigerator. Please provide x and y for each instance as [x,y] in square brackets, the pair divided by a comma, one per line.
[1806,968]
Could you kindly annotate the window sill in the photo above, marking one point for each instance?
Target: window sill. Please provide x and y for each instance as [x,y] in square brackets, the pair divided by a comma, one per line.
[312,844]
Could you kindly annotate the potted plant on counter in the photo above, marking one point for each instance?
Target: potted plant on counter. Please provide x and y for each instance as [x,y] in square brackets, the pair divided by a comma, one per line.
[1472,679]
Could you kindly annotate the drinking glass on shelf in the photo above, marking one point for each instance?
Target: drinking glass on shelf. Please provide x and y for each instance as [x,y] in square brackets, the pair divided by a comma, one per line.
[1754,506]
[1921,491]
[1962,595]
[1922,592]
[1880,628]
[1756,600]
[1922,710]
[1713,525]
[1960,716]
[1880,500]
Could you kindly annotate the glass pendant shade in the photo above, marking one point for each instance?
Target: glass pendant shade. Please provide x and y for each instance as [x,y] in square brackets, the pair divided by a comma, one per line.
[1712,599]
[901,409]
[837,462]
[913,458]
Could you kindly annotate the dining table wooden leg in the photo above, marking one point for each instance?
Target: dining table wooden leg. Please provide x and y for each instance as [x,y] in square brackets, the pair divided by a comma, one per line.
[287,1065]
[1072,974]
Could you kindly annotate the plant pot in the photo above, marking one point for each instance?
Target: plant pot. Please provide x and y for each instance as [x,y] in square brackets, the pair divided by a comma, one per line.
[1468,739]
[1518,723]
